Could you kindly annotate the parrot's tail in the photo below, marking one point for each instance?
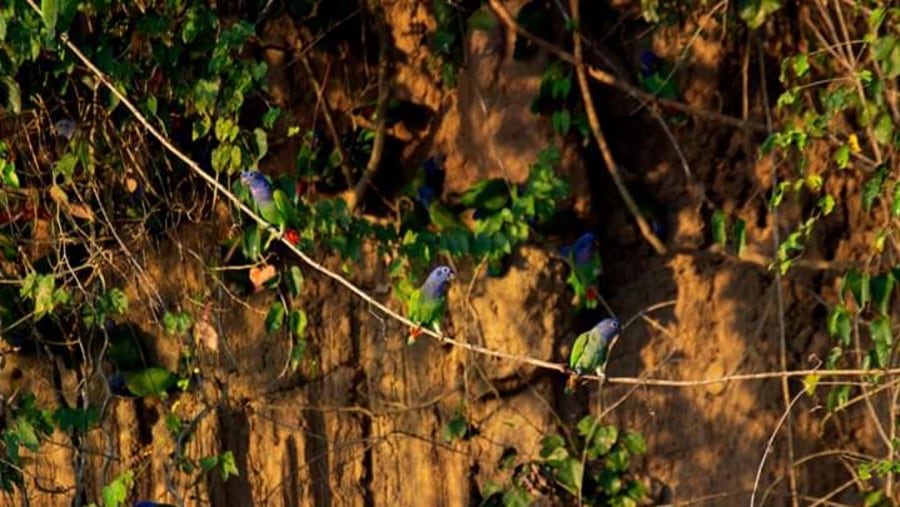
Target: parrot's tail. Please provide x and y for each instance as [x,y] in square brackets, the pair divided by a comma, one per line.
[413,335]
[571,385]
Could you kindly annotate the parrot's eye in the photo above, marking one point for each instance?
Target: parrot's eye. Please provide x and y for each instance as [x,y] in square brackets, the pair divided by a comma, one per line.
[615,324]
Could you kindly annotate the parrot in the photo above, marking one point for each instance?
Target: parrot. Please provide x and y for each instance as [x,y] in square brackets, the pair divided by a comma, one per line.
[585,266]
[426,188]
[274,205]
[591,351]
[657,78]
[486,196]
[426,304]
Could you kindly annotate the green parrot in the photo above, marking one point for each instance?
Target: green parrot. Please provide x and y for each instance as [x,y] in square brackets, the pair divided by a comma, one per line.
[426,305]
[657,78]
[274,205]
[487,196]
[590,351]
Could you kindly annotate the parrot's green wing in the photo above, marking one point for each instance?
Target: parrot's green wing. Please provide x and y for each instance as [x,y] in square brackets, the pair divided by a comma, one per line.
[151,381]
[284,206]
[577,350]
[489,195]
[442,217]
[658,85]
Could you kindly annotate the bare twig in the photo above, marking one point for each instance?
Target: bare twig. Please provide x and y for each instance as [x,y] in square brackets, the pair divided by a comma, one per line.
[779,298]
[611,166]
[362,186]
[326,113]
[608,79]
[762,461]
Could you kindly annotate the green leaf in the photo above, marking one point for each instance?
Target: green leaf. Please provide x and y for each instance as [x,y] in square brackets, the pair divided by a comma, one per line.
[570,474]
[720,227]
[801,65]
[297,352]
[65,166]
[883,47]
[872,188]
[207,463]
[884,129]
[41,289]
[882,287]
[838,396]
[251,242]
[634,442]
[740,236]
[517,496]
[842,156]
[755,12]
[562,121]
[858,283]
[482,20]
[895,203]
[116,491]
[551,445]
[50,13]
[839,325]
[826,204]
[13,93]
[262,143]
[295,281]
[26,434]
[229,467]
[76,418]
[455,428]
[268,119]
[297,323]
[275,317]
[882,337]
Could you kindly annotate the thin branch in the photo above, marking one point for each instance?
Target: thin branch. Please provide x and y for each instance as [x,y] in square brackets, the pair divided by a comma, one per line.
[608,79]
[779,298]
[611,166]
[362,186]
[762,461]
[326,113]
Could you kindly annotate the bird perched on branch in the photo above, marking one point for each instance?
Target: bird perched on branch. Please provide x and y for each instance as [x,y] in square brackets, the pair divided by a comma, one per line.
[657,77]
[591,351]
[585,267]
[426,304]
[273,203]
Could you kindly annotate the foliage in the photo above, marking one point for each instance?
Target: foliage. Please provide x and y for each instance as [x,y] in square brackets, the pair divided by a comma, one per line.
[26,425]
[595,468]
[837,103]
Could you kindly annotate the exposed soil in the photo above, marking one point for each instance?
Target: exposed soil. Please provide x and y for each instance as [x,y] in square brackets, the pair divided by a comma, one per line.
[362,426]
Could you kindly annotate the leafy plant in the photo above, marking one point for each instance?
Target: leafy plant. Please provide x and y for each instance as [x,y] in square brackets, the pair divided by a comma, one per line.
[595,468]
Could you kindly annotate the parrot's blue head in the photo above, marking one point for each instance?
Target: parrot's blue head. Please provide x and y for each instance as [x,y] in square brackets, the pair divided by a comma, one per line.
[608,328]
[146,503]
[259,186]
[584,248]
[437,282]
[425,195]
[65,128]
[434,167]
[649,62]
[117,385]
